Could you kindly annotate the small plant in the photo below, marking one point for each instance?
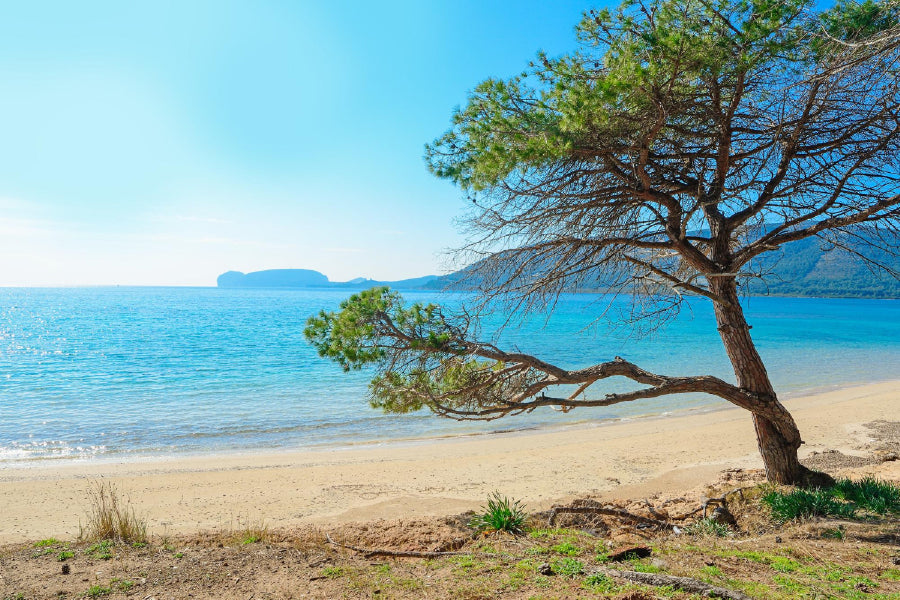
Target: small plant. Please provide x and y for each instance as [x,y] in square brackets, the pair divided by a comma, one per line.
[567,567]
[598,582]
[783,564]
[122,584]
[641,567]
[179,555]
[500,514]
[65,555]
[567,549]
[833,534]
[602,553]
[332,572]
[46,543]
[101,550]
[111,517]
[95,591]
[712,571]
[708,527]
[251,532]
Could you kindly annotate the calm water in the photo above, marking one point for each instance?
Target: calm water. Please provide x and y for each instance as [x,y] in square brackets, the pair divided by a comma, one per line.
[136,372]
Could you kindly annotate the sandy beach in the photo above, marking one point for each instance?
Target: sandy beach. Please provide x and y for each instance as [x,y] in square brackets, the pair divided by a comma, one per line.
[434,477]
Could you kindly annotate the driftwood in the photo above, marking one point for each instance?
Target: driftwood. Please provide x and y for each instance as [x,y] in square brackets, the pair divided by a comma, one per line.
[685,584]
[613,512]
[370,552]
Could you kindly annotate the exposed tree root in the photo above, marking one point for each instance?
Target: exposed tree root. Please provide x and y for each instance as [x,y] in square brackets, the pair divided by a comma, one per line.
[685,584]
[613,512]
[372,552]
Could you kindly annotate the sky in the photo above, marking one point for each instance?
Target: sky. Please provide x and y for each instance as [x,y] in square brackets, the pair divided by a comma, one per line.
[164,143]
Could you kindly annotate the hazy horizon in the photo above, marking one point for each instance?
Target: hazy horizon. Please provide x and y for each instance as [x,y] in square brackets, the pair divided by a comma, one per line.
[167,143]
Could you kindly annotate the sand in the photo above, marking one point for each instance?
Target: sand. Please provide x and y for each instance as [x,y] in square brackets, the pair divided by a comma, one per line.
[434,477]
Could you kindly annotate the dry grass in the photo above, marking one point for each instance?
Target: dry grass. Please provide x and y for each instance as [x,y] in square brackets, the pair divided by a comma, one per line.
[249,531]
[111,517]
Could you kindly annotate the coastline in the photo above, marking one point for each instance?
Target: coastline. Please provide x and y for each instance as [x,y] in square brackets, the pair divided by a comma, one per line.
[432,476]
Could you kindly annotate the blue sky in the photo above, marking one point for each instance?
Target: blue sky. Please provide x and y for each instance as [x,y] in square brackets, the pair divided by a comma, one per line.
[162,143]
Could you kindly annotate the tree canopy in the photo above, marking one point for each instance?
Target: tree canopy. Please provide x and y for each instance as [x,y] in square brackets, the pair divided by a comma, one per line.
[681,141]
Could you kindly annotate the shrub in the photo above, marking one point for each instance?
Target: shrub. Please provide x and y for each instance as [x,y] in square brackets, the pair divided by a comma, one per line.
[500,514]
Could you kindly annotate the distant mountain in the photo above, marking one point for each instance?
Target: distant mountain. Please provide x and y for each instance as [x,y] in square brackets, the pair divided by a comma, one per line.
[306,278]
[808,268]
[273,278]
[803,268]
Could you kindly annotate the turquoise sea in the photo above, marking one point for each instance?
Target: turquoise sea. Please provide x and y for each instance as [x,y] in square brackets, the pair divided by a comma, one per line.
[121,373]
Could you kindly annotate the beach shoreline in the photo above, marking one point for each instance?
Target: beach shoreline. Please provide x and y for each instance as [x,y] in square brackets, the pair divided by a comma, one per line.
[436,476]
[52,463]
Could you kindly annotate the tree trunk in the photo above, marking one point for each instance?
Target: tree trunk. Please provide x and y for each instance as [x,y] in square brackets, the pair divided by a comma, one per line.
[776,432]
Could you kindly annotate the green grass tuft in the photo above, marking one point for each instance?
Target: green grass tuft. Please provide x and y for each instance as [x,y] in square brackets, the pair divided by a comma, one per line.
[873,495]
[566,549]
[567,567]
[708,527]
[101,550]
[500,514]
[843,500]
[96,591]
[803,504]
[598,582]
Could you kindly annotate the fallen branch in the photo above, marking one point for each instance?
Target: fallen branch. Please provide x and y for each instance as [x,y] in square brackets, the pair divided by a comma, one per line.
[370,552]
[613,512]
[685,584]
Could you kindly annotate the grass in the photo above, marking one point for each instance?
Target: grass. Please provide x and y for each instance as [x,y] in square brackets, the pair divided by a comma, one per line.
[333,572]
[843,500]
[804,504]
[870,494]
[598,582]
[249,532]
[122,584]
[567,567]
[96,591]
[112,517]
[500,514]
[567,549]
[101,550]
[708,527]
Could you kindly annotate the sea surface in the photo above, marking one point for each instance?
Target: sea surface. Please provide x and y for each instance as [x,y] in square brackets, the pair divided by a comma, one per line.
[134,373]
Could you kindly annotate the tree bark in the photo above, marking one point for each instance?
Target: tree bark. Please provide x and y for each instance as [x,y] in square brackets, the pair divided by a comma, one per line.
[776,432]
